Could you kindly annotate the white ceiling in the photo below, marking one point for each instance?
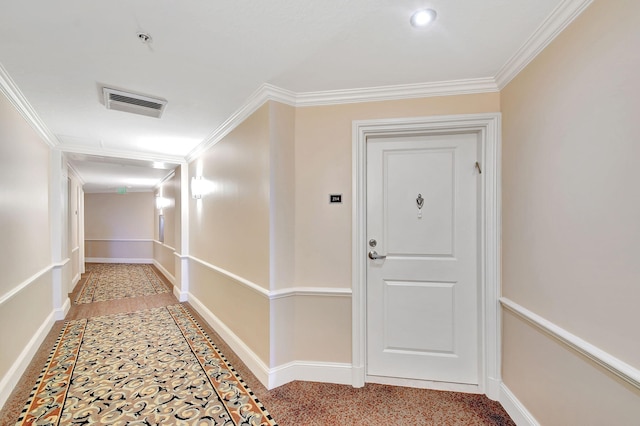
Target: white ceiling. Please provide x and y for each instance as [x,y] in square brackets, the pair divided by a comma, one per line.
[207,58]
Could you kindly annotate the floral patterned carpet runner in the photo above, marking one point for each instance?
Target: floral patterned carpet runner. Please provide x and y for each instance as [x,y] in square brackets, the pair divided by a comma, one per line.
[118,281]
[145,368]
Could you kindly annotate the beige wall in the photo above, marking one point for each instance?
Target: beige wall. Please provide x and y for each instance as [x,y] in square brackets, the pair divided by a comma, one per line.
[229,229]
[282,195]
[114,222]
[24,226]
[229,226]
[268,220]
[571,204]
[323,166]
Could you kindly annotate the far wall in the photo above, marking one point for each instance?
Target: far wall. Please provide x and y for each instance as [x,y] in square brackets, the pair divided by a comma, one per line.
[119,227]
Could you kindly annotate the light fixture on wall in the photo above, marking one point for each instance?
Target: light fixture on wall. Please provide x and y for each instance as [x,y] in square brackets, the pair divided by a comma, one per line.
[422,18]
[197,187]
[161,202]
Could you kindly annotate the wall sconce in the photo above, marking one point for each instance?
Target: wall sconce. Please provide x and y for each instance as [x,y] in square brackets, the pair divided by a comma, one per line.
[161,202]
[197,187]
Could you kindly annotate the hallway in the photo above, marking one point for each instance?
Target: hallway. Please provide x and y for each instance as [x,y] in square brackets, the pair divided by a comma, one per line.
[296,403]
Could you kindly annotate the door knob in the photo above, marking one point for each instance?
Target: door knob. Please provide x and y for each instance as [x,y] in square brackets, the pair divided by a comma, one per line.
[373,255]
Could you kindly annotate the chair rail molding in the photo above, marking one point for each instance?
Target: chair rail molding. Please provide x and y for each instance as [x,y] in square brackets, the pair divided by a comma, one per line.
[604,359]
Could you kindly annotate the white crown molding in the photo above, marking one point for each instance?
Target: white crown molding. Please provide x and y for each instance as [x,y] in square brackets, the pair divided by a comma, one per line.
[115,153]
[9,88]
[269,92]
[255,101]
[554,24]
[604,359]
[397,92]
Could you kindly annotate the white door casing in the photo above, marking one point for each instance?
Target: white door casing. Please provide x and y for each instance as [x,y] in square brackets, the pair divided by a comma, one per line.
[422,301]
[487,129]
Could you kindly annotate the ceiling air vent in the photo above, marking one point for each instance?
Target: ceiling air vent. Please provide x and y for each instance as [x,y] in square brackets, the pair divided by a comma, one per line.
[132,102]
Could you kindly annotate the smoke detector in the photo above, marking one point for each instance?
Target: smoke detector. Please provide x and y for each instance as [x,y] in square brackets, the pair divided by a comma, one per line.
[134,103]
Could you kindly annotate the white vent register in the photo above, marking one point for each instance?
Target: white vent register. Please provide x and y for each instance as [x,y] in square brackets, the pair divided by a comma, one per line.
[133,103]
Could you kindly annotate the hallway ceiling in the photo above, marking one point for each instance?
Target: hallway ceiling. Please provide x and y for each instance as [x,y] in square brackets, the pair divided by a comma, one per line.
[208,58]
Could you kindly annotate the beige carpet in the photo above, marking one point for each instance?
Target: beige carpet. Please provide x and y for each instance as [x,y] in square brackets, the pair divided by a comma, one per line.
[119,281]
[148,367]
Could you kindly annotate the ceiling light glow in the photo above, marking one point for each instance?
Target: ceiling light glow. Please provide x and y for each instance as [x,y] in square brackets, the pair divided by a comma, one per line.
[422,17]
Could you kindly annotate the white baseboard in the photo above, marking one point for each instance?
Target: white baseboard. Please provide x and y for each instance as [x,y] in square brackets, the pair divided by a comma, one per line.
[164,271]
[326,372]
[492,389]
[250,359]
[518,413]
[61,313]
[182,296]
[117,260]
[9,381]
[75,280]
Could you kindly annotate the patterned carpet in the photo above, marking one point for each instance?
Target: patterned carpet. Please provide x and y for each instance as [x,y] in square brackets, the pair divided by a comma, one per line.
[119,281]
[147,367]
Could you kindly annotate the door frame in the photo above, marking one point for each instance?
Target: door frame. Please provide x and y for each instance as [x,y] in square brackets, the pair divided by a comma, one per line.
[487,126]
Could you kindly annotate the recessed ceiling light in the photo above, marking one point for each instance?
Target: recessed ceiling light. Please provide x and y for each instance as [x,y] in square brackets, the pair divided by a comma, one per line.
[422,17]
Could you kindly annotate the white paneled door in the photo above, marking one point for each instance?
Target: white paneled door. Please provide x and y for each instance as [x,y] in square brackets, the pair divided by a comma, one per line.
[422,298]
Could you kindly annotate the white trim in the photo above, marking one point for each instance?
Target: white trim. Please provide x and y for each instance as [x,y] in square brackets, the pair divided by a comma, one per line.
[75,280]
[116,153]
[171,174]
[117,260]
[185,205]
[516,410]
[75,173]
[250,358]
[61,312]
[280,293]
[323,372]
[12,377]
[180,295]
[554,24]
[310,291]
[401,91]
[20,102]
[61,264]
[255,101]
[75,250]
[17,289]
[123,240]
[488,126]
[249,284]
[164,245]
[164,271]
[604,359]
[424,384]
[268,92]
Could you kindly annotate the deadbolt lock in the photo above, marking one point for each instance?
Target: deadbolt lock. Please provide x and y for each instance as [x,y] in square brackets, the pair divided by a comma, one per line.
[372,243]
